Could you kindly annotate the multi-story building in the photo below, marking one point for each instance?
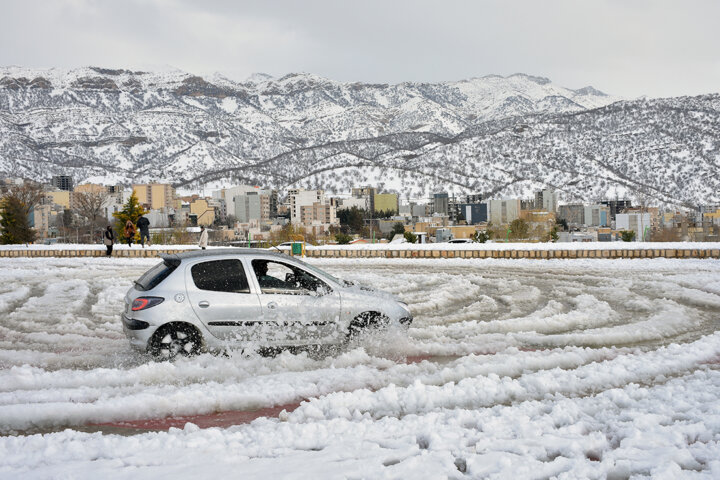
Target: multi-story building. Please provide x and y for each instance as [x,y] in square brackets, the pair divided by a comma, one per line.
[366,193]
[573,214]
[441,203]
[155,196]
[546,200]
[299,198]
[538,216]
[253,205]
[91,188]
[318,213]
[229,194]
[202,211]
[386,202]
[361,203]
[59,197]
[63,182]
[616,206]
[596,216]
[42,217]
[504,211]
[639,223]
[473,213]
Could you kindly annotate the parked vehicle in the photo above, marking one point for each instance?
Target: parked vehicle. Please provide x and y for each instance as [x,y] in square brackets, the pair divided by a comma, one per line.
[460,240]
[213,299]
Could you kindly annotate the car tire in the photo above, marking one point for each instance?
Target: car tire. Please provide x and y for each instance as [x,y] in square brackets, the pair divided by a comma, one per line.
[365,323]
[175,340]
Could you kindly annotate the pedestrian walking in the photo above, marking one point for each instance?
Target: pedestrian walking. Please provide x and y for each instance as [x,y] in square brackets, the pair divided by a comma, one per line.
[109,240]
[143,224]
[129,232]
[203,238]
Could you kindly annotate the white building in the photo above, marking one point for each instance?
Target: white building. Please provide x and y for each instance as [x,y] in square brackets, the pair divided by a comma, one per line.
[546,200]
[637,222]
[359,202]
[503,211]
[253,205]
[229,194]
[299,197]
[597,216]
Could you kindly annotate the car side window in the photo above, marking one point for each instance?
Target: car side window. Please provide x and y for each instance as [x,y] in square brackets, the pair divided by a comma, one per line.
[280,278]
[220,276]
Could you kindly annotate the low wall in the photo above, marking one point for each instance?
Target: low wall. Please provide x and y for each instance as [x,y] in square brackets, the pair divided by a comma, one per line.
[320,252]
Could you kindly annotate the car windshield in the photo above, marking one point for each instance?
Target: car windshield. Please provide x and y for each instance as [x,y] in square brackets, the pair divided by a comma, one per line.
[322,272]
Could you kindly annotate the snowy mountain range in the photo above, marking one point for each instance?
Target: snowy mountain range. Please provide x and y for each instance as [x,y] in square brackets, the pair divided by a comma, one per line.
[497,136]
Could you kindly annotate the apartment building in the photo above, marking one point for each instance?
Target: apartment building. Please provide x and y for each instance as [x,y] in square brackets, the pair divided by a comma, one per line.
[639,223]
[299,197]
[155,196]
[546,200]
[596,216]
[318,213]
[386,202]
[504,211]
[254,205]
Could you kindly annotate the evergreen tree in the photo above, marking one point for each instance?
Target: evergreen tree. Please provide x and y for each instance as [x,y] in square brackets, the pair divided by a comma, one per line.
[131,211]
[14,222]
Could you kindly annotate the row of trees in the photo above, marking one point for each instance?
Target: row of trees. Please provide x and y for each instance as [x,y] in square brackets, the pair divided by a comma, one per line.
[17,203]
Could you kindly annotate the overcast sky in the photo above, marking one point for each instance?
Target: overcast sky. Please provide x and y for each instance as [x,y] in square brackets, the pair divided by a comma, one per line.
[624,47]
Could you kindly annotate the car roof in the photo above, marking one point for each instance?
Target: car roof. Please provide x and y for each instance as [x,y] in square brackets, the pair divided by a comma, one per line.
[177,258]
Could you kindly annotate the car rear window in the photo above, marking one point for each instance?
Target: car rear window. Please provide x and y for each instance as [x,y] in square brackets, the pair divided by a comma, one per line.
[154,276]
[220,276]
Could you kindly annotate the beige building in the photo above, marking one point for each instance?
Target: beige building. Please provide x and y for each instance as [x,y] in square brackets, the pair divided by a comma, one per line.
[156,196]
[43,218]
[383,202]
[316,213]
[203,210]
[91,188]
[60,197]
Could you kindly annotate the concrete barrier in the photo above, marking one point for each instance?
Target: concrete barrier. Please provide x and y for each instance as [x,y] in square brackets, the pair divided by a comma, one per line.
[405,253]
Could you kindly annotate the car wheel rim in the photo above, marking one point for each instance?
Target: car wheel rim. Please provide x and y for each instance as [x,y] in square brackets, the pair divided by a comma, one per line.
[176,343]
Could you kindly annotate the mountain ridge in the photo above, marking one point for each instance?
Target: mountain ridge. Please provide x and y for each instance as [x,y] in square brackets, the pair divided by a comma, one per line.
[121,126]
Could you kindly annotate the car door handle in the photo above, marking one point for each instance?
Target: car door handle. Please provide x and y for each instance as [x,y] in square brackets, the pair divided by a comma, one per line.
[204,304]
[272,305]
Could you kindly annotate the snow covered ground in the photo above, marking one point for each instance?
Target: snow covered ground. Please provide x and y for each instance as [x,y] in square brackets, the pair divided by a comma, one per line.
[533,369]
[414,246]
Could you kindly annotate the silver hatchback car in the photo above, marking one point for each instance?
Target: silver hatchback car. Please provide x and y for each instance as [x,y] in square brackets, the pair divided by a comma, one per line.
[215,299]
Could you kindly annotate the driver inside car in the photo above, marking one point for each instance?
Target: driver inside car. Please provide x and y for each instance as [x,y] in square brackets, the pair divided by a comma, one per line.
[265,280]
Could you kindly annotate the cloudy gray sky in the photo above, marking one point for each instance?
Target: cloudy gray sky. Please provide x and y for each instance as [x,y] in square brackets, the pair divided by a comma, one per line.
[623,47]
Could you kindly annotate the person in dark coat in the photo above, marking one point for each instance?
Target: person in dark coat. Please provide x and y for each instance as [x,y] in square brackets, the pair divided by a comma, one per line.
[109,239]
[143,224]
[129,232]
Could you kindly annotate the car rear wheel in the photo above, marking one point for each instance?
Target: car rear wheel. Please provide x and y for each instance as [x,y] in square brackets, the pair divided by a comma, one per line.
[173,340]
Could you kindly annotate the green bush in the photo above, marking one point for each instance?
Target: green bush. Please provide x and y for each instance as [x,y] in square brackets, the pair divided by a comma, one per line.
[627,235]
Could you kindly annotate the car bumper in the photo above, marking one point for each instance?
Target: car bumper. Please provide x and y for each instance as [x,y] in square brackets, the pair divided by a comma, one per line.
[137,331]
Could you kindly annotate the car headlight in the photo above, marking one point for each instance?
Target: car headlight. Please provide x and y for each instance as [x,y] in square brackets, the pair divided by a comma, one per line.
[405,306]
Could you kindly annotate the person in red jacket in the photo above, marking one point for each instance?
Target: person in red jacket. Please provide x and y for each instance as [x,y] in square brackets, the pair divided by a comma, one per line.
[129,232]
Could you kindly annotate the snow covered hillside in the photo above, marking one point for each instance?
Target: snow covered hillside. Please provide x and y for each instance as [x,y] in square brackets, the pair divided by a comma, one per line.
[531,369]
[491,135]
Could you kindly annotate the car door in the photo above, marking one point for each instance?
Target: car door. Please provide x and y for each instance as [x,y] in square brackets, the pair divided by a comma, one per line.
[297,307]
[220,296]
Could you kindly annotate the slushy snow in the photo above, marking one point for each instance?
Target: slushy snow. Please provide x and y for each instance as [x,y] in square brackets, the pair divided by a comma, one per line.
[528,369]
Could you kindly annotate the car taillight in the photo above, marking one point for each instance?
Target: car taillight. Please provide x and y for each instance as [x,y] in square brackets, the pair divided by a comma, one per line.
[142,303]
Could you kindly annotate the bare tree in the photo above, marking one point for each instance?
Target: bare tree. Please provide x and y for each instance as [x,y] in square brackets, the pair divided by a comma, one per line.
[29,194]
[90,205]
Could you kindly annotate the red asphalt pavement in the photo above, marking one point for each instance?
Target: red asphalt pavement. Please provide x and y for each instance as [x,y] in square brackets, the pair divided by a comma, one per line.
[219,419]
